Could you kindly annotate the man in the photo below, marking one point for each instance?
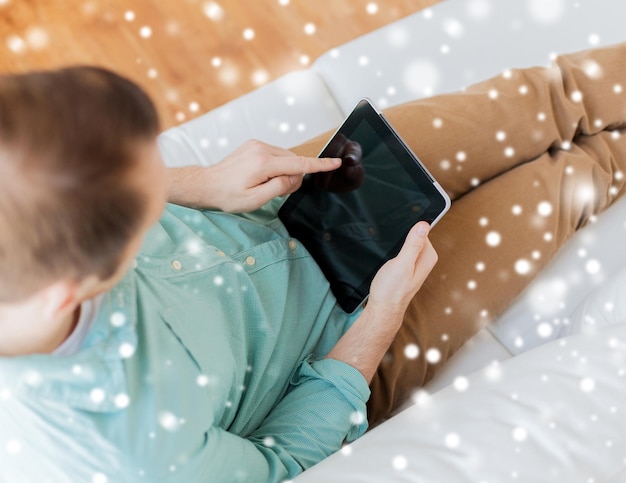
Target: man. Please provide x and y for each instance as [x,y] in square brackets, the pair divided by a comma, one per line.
[215,358]
[220,355]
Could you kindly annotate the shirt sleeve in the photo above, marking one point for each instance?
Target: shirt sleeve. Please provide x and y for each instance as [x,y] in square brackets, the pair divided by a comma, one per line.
[324,406]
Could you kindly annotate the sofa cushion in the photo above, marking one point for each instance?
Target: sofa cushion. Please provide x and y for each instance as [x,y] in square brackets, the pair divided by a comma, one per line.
[457,43]
[288,111]
[554,413]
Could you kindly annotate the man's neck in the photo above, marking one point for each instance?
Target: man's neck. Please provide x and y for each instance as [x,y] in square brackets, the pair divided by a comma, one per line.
[42,338]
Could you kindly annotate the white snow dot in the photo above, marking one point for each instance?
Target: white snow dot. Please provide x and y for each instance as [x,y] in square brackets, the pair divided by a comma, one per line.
[305,59]
[594,39]
[117,319]
[433,355]
[97,395]
[99,478]
[37,38]
[471,285]
[493,238]
[357,418]
[129,16]
[461,383]
[577,96]
[444,49]
[411,351]
[363,60]
[309,28]
[16,44]
[153,73]
[421,77]
[493,94]
[500,135]
[493,372]
[268,442]
[13,447]
[520,434]
[544,330]
[593,267]
[400,463]
[445,164]
[202,380]
[213,10]
[145,32]
[437,123]
[346,450]
[516,210]
[283,127]
[522,266]
[248,34]
[478,9]
[544,208]
[617,88]
[541,116]
[126,350]
[168,421]
[218,280]
[483,221]
[194,106]
[546,11]
[461,156]
[592,69]
[216,61]
[371,8]
[453,28]
[33,378]
[587,384]
[452,440]
[523,90]
[122,401]
[260,77]
[509,152]
[480,267]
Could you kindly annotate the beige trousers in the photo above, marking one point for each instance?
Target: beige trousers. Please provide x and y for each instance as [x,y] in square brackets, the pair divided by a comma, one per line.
[527,157]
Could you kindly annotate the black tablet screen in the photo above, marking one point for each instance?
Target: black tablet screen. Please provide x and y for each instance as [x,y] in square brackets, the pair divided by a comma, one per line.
[352,232]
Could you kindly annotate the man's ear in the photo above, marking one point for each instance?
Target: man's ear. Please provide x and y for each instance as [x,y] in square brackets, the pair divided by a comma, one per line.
[62,297]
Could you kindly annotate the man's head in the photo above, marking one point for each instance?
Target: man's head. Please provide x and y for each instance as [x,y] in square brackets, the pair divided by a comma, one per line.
[80,178]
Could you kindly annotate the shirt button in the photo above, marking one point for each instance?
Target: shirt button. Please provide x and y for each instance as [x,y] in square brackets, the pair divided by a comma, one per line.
[250,261]
[292,245]
[176,265]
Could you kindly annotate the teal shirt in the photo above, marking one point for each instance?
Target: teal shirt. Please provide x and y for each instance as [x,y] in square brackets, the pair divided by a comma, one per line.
[205,363]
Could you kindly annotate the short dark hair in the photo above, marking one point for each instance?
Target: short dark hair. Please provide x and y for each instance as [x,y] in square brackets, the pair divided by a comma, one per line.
[68,140]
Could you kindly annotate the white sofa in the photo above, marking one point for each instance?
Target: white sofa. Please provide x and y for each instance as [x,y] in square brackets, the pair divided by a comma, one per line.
[514,403]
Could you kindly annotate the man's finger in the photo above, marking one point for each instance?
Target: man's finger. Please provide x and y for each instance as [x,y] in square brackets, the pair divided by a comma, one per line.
[302,165]
[414,242]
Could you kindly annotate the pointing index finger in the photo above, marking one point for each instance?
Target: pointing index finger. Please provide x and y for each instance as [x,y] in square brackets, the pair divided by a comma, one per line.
[304,165]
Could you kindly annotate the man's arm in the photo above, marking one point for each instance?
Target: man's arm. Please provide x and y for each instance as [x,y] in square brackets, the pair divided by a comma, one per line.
[245,180]
[396,283]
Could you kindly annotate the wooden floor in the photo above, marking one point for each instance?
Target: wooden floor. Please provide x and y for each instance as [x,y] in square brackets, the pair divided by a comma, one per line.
[190,55]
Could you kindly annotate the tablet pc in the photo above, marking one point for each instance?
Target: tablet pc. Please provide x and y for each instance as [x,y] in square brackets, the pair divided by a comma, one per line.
[354,219]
